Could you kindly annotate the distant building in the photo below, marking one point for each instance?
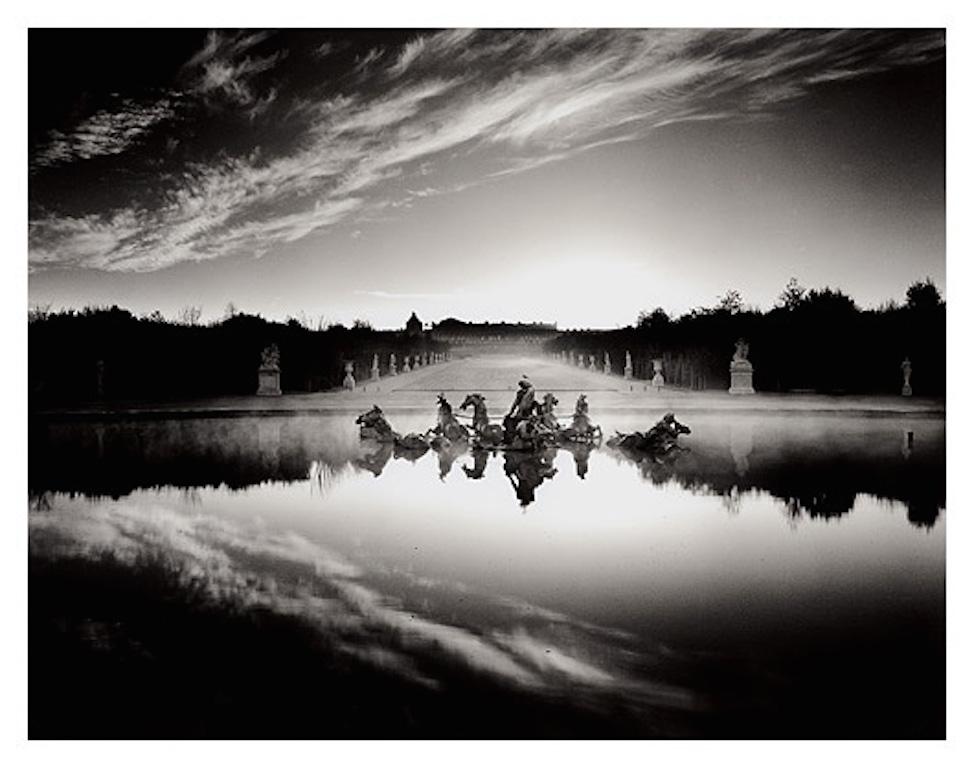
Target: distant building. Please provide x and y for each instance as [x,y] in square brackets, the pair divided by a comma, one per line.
[414,328]
[494,335]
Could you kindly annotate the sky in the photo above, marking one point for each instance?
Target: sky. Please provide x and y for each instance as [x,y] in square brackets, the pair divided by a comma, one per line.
[566,175]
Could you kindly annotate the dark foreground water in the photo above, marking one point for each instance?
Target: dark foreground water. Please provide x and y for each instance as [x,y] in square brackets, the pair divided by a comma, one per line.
[267,577]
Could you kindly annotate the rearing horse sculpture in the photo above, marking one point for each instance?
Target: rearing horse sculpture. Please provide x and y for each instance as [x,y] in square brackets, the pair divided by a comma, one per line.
[546,412]
[487,434]
[446,423]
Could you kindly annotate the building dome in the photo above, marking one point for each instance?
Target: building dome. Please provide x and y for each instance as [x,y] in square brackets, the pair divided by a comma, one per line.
[413,326]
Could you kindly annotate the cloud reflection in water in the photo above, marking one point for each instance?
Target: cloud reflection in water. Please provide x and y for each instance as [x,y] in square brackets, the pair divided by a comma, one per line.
[247,566]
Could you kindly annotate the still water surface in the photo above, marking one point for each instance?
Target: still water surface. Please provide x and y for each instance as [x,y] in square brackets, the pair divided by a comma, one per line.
[783,577]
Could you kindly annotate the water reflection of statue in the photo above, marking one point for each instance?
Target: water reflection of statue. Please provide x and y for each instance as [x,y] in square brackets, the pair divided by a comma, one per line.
[741,445]
[269,444]
[479,465]
[376,461]
[906,449]
[527,471]
[658,470]
[411,452]
[580,452]
[449,453]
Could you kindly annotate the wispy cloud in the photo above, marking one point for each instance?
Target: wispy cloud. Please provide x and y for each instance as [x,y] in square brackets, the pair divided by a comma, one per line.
[515,101]
[106,132]
[222,69]
[225,66]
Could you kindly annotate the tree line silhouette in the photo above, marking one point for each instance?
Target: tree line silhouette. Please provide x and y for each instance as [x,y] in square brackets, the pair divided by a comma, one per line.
[811,340]
[112,354]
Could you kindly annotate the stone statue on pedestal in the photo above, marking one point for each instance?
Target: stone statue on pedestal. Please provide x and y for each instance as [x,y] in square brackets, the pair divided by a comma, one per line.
[627,371]
[591,363]
[658,381]
[405,364]
[392,364]
[269,373]
[606,364]
[100,379]
[907,367]
[375,367]
[741,371]
[349,381]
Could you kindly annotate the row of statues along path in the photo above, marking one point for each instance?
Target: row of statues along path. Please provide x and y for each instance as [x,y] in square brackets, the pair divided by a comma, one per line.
[741,369]
[269,373]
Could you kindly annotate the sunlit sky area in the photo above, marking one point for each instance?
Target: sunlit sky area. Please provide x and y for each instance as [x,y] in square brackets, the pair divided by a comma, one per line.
[569,176]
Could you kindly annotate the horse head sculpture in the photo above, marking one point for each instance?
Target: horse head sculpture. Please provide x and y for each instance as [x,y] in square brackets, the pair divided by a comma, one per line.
[373,425]
[675,428]
[370,416]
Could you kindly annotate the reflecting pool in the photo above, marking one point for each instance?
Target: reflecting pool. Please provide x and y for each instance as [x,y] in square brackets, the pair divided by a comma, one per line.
[276,576]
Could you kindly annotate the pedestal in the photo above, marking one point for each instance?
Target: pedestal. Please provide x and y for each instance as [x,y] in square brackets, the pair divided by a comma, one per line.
[627,373]
[269,382]
[741,372]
